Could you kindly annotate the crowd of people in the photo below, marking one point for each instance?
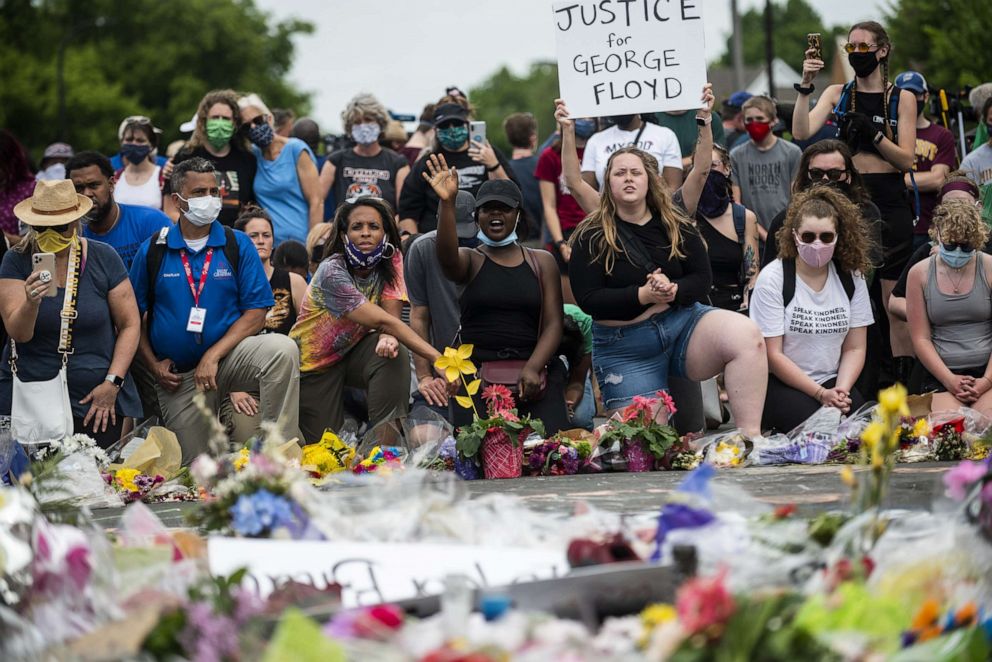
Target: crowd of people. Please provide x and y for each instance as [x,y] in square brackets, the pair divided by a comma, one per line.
[243,278]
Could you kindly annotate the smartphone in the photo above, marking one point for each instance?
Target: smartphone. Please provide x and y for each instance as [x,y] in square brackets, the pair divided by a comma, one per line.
[46,262]
[815,42]
[477,132]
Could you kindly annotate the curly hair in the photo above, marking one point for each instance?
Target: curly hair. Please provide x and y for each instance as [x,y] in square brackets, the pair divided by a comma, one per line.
[959,222]
[601,225]
[227,97]
[854,243]
[364,105]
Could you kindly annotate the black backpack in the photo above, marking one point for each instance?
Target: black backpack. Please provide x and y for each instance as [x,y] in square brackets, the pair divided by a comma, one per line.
[158,244]
[789,281]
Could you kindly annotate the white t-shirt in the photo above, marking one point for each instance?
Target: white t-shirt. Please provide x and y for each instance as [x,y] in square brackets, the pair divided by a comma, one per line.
[659,141]
[814,324]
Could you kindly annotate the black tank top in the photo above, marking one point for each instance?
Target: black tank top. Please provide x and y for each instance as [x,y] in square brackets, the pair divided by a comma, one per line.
[873,105]
[282,316]
[501,311]
[726,255]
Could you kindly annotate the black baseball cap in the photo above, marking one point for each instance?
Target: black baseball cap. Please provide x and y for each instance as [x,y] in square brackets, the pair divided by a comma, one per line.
[464,215]
[499,190]
[450,111]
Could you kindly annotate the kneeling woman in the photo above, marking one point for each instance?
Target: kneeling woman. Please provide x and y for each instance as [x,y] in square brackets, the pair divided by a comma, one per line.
[349,330]
[949,305]
[639,268]
[814,311]
[511,307]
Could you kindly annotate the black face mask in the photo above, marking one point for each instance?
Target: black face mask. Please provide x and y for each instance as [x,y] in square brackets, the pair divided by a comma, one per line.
[716,195]
[863,63]
[624,121]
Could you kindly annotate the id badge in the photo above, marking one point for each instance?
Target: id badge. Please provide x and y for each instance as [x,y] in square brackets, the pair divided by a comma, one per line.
[197,316]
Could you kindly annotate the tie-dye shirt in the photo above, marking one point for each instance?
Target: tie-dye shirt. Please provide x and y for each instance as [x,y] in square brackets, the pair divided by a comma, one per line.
[322,332]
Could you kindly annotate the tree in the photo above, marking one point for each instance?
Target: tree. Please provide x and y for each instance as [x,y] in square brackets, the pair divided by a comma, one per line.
[791,21]
[130,57]
[946,40]
[504,93]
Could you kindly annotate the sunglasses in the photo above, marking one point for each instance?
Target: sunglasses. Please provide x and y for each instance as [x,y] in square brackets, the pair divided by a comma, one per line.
[258,120]
[860,47]
[810,237]
[967,248]
[833,174]
[451,123]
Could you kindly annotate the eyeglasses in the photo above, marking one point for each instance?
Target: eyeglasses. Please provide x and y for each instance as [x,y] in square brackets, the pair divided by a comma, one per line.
[958,245]
[833,174]
[860,47]
[810,237]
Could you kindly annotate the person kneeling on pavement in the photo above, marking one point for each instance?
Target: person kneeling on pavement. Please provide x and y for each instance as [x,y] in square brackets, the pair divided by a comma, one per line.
[204,295]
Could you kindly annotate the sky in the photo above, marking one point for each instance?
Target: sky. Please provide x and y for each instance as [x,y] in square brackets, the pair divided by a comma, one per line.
[406,52]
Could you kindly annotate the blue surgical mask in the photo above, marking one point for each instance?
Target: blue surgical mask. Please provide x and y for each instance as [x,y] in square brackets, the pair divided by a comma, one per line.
[584,128]
[957,258]
[509,239]
[453,137]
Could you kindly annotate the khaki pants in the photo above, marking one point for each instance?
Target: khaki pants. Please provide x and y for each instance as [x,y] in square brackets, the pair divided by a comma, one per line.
[385,381]
[268,365]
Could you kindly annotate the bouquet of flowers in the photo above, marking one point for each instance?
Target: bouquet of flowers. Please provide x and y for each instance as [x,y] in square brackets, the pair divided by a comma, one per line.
[971,483]
[499,437]
[132,484]
[329,455]
[558,456]
[642,438]
[948,440]
[381,459]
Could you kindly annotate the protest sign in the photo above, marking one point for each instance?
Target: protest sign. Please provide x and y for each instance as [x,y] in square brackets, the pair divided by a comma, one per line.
[371,573]
[620,57]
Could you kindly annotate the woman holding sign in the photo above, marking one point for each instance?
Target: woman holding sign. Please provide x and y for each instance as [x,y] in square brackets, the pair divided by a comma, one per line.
[878,122]
[640,269]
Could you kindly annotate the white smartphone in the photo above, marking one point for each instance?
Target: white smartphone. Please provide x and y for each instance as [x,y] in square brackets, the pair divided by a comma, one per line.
[46,262]
[477,132]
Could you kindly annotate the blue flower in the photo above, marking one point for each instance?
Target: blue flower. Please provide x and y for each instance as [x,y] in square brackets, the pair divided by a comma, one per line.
[678,516]
[260,512]
[448,450]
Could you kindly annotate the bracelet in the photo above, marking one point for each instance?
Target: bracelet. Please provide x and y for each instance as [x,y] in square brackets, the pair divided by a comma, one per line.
[494,168]
[704,121]
[878,138]
[560,243]
[804,90]
[819,392]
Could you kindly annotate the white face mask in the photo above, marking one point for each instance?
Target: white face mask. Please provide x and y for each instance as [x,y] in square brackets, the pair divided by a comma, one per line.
[202,210]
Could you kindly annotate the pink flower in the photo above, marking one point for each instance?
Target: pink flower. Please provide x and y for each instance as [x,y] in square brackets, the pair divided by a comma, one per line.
[960,479]
[641,406]
[667,401]
[703,602]
[498,397]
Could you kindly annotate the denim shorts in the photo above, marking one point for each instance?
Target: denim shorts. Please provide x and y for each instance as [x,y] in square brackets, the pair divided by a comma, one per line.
[636,360]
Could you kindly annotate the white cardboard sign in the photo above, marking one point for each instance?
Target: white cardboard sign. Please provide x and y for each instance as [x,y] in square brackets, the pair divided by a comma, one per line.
[371,573]
[620,57]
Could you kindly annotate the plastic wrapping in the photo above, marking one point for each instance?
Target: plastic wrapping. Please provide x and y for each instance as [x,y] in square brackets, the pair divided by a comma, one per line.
[809,443]
[81,484]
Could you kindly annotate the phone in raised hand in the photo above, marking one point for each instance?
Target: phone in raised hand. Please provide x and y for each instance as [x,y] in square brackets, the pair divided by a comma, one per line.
[814,42]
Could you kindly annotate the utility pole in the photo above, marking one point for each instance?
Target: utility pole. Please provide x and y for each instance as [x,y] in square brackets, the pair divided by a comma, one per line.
[737,46]
[769,48]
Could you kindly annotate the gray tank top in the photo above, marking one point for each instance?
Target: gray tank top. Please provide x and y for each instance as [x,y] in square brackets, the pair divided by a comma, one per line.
[960,324]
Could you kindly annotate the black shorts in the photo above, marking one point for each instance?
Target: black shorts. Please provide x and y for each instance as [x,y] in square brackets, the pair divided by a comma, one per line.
[888,192]
[929,383]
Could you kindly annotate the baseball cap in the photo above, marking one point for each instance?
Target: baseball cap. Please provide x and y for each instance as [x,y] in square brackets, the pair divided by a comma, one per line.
[58,151]
[464,215]
[188,127]
[912,81]
[737,99]
[450,111]
[499,190]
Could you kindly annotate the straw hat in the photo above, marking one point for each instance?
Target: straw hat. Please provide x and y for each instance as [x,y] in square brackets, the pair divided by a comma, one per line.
[55,202]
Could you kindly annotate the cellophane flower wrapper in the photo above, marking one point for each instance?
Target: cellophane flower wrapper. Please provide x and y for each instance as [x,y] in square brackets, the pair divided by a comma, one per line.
[809,443]
[80,483]
[424,434]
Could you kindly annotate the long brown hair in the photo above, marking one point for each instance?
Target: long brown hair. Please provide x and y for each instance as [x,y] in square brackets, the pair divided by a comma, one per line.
[854,242]
[601,225]
[230,99]
[858,193]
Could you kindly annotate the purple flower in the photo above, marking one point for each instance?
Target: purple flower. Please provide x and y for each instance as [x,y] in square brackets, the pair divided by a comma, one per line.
[960,479]
[448,450]
[466,469]
[208,637]
[263,511]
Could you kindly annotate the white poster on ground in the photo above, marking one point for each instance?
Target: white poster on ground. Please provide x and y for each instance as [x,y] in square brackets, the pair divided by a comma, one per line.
[371,573]
[620,57]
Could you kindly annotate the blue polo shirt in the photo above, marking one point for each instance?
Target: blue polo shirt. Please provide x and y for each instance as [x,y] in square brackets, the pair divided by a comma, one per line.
[135,224]
[226,295]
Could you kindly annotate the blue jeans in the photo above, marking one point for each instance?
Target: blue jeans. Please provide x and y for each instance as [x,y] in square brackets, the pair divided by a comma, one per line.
[636,360]
[586,410]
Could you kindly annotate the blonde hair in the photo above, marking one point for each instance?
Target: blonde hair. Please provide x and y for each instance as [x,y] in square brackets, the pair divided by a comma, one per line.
[252,100]
[959,222]
[763,103]
[316,233]
[601,225]
[362,105]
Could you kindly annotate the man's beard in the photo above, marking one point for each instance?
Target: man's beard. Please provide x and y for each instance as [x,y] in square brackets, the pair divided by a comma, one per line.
[98,214]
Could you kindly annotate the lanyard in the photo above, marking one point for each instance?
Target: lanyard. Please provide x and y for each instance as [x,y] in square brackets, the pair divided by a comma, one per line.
[203,275]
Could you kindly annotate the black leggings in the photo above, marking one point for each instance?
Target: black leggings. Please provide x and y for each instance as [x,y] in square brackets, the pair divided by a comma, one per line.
[786,407]
[103,439]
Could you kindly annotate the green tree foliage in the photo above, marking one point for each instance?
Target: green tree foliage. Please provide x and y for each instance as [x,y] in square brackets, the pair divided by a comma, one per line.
[129,57]
[946,40]
[792,21]
[505,93]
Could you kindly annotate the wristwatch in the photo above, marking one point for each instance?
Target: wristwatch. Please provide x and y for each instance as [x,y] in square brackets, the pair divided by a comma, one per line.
[703,121]
[494,168]
[115,380]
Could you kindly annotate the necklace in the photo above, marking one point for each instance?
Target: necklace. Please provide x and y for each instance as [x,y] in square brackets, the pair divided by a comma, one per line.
[955,285]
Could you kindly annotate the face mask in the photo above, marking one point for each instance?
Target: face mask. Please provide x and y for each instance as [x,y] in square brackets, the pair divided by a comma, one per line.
[50,241]
[52,172]
[202,210]
[219,132]
[510,238]
[623,120]
[361,260]
[863,63]
[584,128]
[262,136]
[957,258]
[716,195]
[817,254]
[135,153]
[453,137]
[365,134]
[758,130]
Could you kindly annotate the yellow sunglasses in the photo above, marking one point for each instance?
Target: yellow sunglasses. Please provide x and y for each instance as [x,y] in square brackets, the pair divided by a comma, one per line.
[860,47]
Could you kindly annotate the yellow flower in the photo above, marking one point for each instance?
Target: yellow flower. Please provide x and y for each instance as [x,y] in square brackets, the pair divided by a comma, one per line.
[893,400]
[847,476]
[656,614]
[872,435]
[321,460]
[921,428]
[125,478]
[241,461]
[455,362]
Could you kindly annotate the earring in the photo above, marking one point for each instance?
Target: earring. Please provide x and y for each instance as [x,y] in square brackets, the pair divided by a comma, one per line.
[390,248]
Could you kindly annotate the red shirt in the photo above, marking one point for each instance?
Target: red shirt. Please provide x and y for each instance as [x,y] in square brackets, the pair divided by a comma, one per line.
[549,170]
[934,145]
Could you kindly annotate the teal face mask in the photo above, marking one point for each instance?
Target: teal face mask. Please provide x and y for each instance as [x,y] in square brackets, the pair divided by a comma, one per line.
[453,137]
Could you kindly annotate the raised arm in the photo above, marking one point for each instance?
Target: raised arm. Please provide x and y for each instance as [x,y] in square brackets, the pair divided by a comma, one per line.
[455,262]
[702,158]
[806,122]
[586,195]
